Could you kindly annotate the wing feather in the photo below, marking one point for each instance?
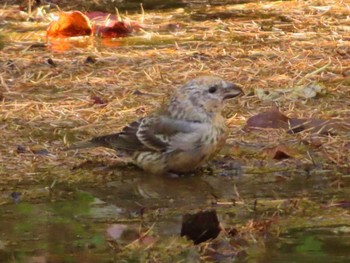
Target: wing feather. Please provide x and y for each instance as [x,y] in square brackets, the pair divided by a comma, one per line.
[154,133]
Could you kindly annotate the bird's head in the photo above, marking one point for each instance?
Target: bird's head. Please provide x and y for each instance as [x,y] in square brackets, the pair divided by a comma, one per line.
[210,92]
[202,98]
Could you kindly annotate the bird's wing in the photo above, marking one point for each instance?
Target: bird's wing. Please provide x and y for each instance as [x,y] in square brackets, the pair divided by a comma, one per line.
[124,140]
[157,133]
[152,133]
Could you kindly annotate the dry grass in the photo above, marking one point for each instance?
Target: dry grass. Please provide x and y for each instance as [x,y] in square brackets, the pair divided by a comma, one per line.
[270,45]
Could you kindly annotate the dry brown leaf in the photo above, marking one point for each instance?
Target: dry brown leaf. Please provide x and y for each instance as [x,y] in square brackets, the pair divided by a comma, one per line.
[280,152]
[113,29]
[201,226]
[269,119]
[69,24]
[276,120]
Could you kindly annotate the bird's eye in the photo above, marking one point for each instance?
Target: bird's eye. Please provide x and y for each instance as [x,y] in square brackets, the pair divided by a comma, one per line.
[212,89]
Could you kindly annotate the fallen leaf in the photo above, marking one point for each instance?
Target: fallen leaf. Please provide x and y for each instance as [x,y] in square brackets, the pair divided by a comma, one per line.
[113,29]
[308,92]
[201,226]
[279,152]
[300,92]
[69,24]
[269,119]
[276,120]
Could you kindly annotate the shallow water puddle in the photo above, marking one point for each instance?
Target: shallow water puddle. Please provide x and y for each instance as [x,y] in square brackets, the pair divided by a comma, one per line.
[322,244]
[56,231]
[85,224]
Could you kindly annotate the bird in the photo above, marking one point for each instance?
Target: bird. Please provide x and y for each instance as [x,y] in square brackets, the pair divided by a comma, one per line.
[181,136]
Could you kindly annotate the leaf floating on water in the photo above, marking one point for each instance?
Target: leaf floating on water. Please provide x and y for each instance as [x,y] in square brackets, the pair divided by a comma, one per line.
[201,226]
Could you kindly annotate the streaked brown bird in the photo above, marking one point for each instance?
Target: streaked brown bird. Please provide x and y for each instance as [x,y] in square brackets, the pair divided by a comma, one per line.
[182,136]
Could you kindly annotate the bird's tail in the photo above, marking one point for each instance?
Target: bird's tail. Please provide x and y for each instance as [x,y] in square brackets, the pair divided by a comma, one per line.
[80,145]
[111,141]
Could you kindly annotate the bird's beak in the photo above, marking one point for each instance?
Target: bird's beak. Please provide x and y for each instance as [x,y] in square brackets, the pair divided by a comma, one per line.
[232,90]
